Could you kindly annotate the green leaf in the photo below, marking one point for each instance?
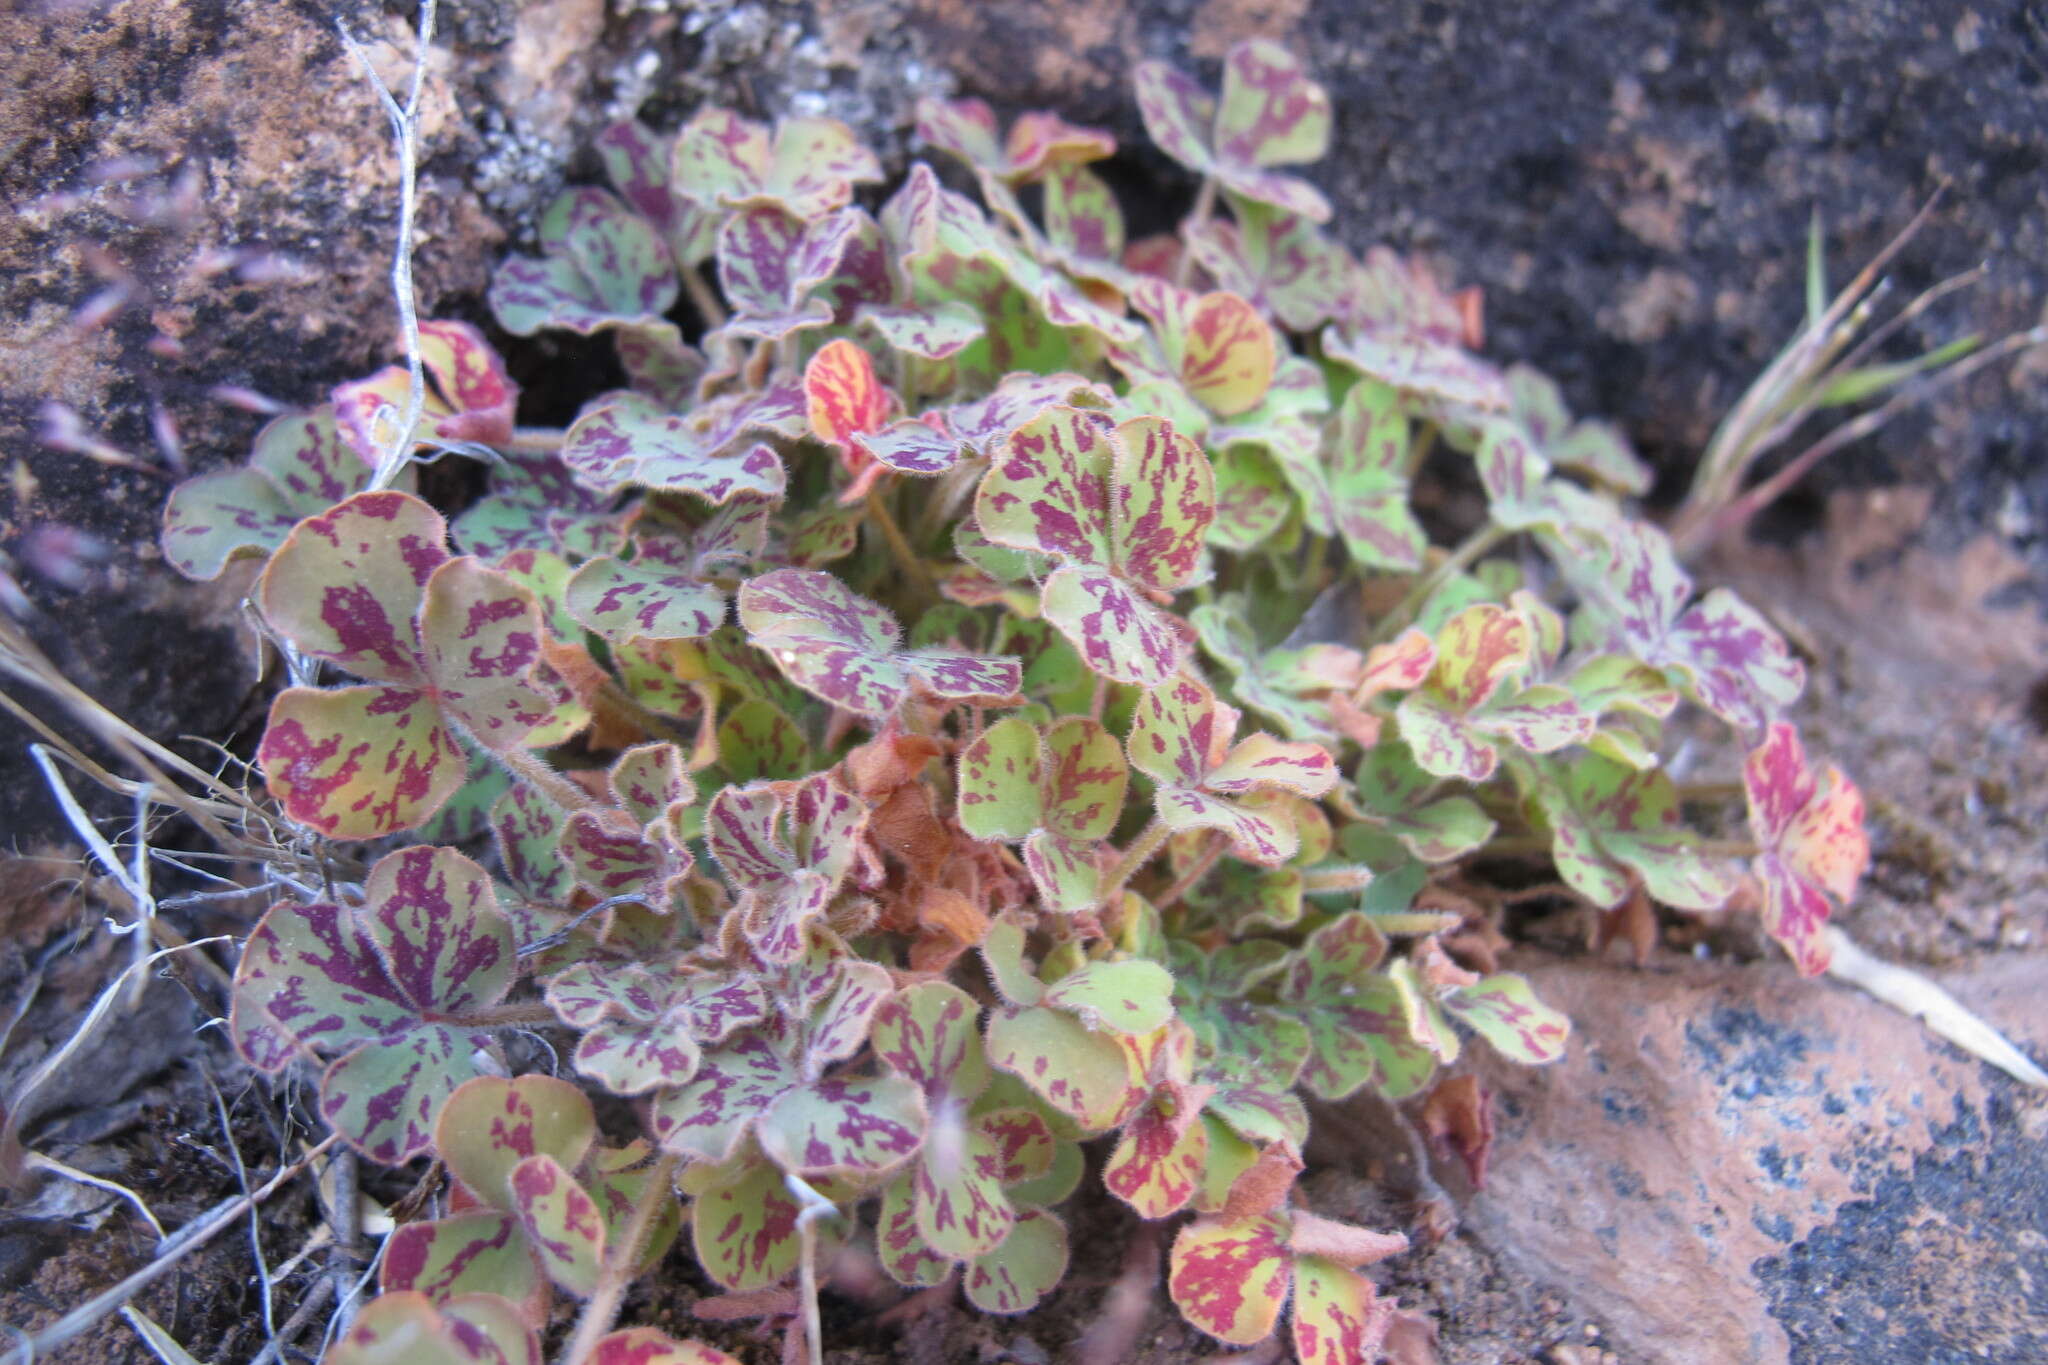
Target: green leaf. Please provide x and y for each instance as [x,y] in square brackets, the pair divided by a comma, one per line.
[490,1125]
[480,1252]
[1000,778]
[1232,1279]
[562,1223]
[1611,823]
[1357,1033]
[1031,1261]
[744,1227]
[300,467]
[843,648]
[1082,1074]
[1504,1010]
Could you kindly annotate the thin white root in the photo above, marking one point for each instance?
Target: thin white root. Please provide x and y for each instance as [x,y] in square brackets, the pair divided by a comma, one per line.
[815,1206]
[1910,993]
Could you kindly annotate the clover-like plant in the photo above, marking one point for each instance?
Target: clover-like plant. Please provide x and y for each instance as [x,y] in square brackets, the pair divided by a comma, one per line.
[810,742]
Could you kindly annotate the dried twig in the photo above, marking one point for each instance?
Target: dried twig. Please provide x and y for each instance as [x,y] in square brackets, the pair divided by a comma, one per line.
[405,129]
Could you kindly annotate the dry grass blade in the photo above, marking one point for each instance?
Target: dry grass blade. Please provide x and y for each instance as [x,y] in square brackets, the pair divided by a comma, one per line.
[1910,993]
[405,129]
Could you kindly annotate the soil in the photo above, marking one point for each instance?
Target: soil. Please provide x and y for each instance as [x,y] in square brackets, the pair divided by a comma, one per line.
[1631,185]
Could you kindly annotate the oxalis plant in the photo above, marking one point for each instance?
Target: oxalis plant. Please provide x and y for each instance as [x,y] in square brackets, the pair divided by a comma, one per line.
[888,748]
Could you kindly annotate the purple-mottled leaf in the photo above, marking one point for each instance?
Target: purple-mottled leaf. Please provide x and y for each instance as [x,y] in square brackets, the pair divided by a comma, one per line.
[358,762]
[1399,326]
[770,262]
[844,1126]
[429,944]
[1368,479]
[604,265]
[1392,793]
[733,1086]
[471,398]
[479,1252]
[660,366]
[929,1035]
[1271,114]
[744,1227]
[1080,1073]
[1083,221]
[1809,828]
[1231,1279]
[1157,1165]
[300,467]
[1252,499]
[646,1346]
[1337,1315]
[1290,685]
[528,826]
[808,166]
[1592,448]
[1504,1010]
[480,635]
[715,452]
[1027,1266]
[843,648]
[1132,997]
[999,782]
[1120,634]
[776,919]
[561,1222]
[1067,873]
[1357,1034]
[535,504]
[649,598]
[934,332]
[346,584]
[899,1243]
[1282,263]
[756,740]
[1611,824]
[642,1027]
[491,1124]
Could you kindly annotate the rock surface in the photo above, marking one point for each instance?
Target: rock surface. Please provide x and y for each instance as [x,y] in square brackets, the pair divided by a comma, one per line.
[1732,1164]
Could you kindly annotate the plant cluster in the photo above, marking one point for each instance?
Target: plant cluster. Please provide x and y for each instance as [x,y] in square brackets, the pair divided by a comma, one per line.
[840,730]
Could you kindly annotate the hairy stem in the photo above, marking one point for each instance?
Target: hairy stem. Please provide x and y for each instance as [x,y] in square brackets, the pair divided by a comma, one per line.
[1136,856]
[535,441]
[603,1308]
[703,298]
[1192,878]
[907,563]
